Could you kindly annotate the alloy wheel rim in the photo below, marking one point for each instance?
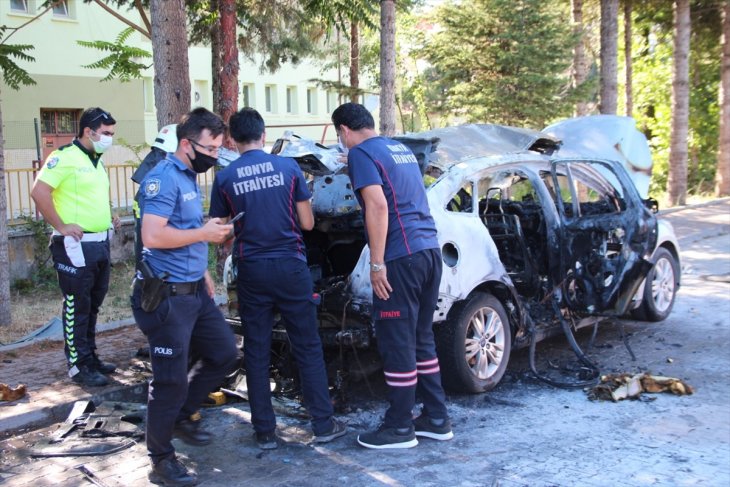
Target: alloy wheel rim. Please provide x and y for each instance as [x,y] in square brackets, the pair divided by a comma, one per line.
[485,342]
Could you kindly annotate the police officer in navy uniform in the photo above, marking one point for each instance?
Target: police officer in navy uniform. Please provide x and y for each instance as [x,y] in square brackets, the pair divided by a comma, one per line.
[186,321]
[273,273]
[405,272]
[72,193]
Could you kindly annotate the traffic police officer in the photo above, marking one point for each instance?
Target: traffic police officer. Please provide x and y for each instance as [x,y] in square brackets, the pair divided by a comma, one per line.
[272,272]
[173,301]
[72,193]
[405,272]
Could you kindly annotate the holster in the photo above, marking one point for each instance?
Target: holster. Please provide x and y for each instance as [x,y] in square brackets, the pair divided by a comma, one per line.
[154,291]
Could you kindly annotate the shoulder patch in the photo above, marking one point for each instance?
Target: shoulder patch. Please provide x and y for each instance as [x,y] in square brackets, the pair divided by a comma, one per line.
[152,187]
[51,163]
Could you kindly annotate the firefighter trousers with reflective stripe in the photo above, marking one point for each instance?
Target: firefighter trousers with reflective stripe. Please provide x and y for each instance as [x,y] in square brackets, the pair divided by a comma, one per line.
[182,326]
[83,291]
[404,332]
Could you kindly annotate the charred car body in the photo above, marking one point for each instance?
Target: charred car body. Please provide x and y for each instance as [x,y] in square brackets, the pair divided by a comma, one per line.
[539,231]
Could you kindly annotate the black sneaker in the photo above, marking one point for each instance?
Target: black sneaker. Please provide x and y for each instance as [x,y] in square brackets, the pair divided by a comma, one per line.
[383,438]
[424,427]
[190,432]
[103,367]
[170,471]
[87,375]
[266,441]
[338,429]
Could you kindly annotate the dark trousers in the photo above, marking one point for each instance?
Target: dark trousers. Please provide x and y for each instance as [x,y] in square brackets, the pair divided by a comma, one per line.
[83,291]
[404,331]
[287,285]
[182,325]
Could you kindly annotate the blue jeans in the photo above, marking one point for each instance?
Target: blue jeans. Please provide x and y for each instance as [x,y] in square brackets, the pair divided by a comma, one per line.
[284,284]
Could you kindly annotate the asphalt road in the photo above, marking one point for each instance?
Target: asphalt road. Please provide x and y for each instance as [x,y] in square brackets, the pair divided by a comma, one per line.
[523,433]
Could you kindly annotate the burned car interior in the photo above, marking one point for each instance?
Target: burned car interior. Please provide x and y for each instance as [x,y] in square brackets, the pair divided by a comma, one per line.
[534,244]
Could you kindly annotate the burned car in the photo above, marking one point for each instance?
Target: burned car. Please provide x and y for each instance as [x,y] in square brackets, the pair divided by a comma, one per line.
[541,232]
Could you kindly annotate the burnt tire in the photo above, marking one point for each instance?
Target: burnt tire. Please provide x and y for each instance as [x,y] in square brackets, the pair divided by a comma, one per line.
[474,344]
[660,290]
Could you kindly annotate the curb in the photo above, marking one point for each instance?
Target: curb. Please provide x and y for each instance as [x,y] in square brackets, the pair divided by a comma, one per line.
[46,416]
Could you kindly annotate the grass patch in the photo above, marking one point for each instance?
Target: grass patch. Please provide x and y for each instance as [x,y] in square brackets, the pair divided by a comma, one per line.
[33,306]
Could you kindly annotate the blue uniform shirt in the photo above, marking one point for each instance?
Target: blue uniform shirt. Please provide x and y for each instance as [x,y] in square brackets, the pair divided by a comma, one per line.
[171,191]
[266,187]
[393,166]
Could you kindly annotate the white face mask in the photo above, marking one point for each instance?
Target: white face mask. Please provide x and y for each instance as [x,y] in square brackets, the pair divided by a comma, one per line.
[104,142]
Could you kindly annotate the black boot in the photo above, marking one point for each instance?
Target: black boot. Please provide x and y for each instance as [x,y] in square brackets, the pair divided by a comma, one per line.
[103,367]
[191,433]
[89,376]
[170,471]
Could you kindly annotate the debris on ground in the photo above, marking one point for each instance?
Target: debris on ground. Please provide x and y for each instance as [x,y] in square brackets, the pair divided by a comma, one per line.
[615,387]
[8,393]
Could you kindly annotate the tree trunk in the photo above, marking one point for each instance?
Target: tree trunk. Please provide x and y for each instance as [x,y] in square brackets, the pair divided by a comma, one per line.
[722,176]
[629,95]
[354,60]
[677,181]
[609,56]
[170,57]
[229,71]
[4,259]
[216,51]
[580,60]
[387,67]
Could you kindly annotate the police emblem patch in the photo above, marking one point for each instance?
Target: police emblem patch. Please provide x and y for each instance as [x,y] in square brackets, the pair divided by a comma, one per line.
[52,162]
[152,187]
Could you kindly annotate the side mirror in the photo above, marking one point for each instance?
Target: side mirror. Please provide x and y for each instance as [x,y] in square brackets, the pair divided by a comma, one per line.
[651,204]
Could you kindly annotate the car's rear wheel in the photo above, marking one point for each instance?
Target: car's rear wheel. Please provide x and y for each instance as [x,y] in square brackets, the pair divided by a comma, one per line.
[660,289]
[474,344]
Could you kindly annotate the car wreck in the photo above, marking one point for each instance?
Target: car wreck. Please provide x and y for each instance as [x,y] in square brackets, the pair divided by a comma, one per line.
[541,232]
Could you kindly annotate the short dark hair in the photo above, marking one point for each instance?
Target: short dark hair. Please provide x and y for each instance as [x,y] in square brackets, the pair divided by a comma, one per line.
[195,121]
[94,118]
[354,116]
[247,125]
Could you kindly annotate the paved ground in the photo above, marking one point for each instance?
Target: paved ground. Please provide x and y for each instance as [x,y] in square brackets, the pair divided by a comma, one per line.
[523,433]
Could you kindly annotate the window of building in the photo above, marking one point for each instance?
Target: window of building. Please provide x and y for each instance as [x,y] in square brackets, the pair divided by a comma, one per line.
[291,99]
[247,95]
[148,95]
[62,9]
[60,122]
[312,101]
[19,6]
[270,98]
[331,100]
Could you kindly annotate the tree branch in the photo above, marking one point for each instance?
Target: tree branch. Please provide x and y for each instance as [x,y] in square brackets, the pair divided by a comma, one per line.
[139,29]
[143,14]
[16,29]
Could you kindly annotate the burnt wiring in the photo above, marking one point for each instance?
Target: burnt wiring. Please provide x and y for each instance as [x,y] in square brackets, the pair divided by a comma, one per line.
[589,366]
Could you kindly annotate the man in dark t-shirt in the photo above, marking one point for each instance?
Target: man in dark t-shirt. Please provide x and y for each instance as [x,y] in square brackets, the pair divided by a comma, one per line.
[272,195]
[405,272]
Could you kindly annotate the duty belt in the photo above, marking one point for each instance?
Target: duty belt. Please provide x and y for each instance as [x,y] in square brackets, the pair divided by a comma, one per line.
[89,237]
[184,288]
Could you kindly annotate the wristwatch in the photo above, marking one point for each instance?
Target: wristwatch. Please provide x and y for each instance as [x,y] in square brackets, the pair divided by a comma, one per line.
[376,267]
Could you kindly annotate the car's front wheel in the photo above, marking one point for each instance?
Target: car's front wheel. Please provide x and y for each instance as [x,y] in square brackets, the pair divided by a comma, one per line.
[474,344]
[660,289]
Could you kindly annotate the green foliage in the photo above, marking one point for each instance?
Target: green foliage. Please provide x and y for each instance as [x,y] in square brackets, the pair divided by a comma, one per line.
[503,61]
[13,74]
[122,59]
[652,83]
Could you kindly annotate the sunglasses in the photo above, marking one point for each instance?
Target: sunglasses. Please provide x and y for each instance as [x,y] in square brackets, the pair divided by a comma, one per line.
[104,114]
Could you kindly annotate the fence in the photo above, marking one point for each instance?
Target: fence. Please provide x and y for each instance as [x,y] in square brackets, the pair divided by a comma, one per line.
[19,183]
